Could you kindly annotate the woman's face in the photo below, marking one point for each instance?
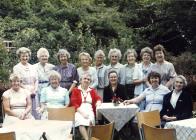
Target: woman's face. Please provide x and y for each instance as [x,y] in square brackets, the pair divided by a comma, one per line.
[113,78]
[99,60]
[15,84]
[24,58]
[114,58]
[63,59]
[159,56]
[84,61]
[86,80]
[179,84]
[154,81]
[43,59]
[146,57]
[131,58]
[54,81]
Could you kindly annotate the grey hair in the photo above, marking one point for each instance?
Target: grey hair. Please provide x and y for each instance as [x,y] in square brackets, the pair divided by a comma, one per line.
[130,51]
[14,76]
[86,74]
[146,50]
[54,73]
[63,52]
[117,51]
[23,50]
[99,52]
[42,51]
[183,79]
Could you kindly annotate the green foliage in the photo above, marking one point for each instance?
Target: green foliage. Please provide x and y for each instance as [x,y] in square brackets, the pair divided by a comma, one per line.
[88,25]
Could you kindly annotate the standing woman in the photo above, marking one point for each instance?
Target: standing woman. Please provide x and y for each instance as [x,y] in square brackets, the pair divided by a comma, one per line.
[101,69]
[68,71]
[142,70]
[85,60]
[28,75]
[165,68]
[177,105]
[85,100]
[126,73]
[43,69]
[114,56]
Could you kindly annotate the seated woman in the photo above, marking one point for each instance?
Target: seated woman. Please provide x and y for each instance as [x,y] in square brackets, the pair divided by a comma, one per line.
[53,96]
[114,89]
[85,100]
[153,94]
[177,105]
[16,101]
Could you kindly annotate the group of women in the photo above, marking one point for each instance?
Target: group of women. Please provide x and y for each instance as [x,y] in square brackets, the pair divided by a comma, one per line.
[153,86]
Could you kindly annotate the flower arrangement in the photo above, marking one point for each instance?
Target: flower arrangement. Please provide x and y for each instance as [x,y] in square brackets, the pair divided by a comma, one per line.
[116,100]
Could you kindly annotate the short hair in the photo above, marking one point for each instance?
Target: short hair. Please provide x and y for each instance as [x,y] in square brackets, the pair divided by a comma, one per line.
[154,74]
[146,50]
[54,73]
[42,51]
[63,52]
[129,51]
[99,52]
[183,79]
[86,74]
[85,54]
[112,71]
[23,50]
[159,47]
[117,51]
[14,76]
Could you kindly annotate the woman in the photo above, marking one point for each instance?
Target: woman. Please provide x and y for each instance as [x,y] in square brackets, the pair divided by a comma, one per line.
[85,60]
[16,101]
[114,89]
[28,75]
[43,69]
[101,69]
[153,95]
[177,105]
[126,73]
[165,68]
[54,96]
[68,71]
[85,100]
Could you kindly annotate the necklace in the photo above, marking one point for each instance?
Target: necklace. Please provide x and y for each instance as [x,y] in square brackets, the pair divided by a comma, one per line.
[84,96]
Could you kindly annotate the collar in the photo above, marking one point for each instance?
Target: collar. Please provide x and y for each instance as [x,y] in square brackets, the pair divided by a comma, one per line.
[88,89]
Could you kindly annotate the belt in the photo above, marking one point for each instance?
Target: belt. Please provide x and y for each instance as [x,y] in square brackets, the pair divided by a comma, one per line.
[42,82]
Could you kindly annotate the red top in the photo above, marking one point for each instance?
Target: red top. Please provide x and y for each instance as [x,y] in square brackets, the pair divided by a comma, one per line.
[76,98]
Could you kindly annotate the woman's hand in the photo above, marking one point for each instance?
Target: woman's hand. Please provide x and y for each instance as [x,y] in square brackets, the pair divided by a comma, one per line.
[127,102]
[167,118]
[22,116]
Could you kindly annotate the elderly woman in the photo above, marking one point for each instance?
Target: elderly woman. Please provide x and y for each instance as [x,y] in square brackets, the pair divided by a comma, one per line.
[54,96]
[153,94]
[68,71]
[43,69]
[85,100]
[85,60]
[177,105]
[114,56]
[28,75]
[165,68]
[126,73]
[114,89]
[16,101]
[101,69]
